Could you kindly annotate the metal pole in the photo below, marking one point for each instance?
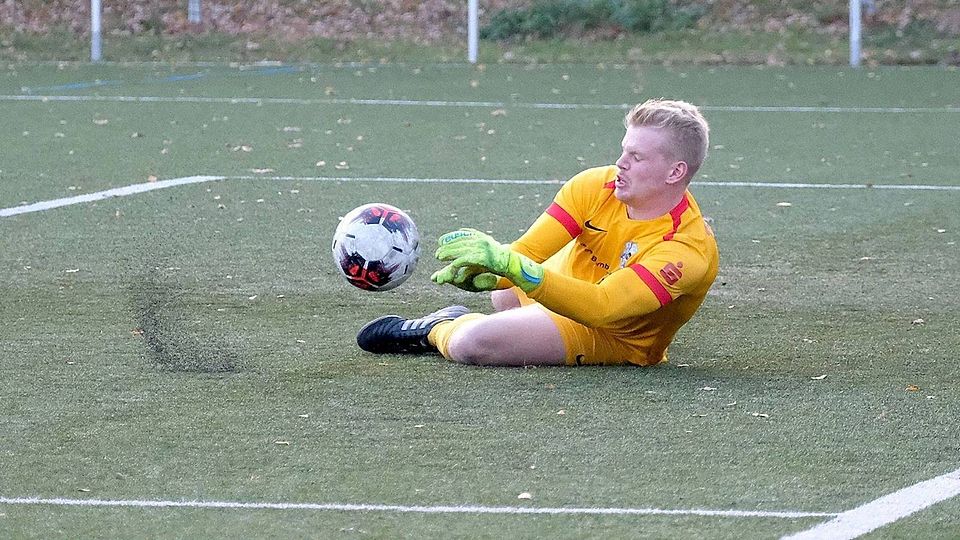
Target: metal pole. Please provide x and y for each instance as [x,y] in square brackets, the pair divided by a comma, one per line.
[472,33]
[855,33]
[95,44]
[193,11]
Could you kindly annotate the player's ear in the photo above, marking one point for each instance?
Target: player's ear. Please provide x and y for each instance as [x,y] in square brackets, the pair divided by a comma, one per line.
[678,172]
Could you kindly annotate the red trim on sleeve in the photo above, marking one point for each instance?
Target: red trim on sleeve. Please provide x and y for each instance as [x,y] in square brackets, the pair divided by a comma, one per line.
[655,286]
[677,211]
[558,213]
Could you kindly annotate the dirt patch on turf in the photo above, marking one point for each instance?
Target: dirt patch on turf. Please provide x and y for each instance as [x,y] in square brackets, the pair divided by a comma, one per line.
[174,337]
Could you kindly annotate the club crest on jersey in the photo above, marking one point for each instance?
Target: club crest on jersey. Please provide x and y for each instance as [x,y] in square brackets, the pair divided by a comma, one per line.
[629,250]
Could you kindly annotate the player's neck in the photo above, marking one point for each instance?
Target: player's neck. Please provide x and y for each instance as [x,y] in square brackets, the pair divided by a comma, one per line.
[655,207]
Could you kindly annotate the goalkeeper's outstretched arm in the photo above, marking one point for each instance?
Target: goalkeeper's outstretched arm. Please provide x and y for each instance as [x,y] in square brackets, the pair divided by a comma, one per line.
[628,292]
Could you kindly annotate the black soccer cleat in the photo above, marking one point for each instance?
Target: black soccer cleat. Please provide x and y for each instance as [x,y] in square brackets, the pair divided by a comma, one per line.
[393,334]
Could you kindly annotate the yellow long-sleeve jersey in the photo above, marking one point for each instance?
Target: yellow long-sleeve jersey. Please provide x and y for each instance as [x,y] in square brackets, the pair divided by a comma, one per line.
[638,281]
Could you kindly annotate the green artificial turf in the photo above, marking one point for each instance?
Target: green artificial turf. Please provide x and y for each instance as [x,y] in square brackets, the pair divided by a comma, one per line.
[195,342]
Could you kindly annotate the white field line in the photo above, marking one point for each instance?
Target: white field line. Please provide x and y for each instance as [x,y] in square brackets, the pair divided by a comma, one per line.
[474,104]
[151,186]
[398,179]
[885,510]
[396,508]
[245,65]
[788,185]
[410,180]
[96,196]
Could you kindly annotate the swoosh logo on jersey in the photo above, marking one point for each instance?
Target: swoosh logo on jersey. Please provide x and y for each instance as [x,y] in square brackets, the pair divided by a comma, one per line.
[593,227]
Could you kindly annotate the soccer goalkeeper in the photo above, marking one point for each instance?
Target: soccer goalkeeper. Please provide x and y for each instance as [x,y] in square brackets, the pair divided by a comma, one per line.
[618,262]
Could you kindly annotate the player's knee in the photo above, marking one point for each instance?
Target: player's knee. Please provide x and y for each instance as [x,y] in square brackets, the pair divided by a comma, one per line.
[466,350]
[473,345]
[504,299]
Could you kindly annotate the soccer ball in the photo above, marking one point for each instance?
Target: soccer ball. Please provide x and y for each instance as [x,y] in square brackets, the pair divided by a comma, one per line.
[376,247]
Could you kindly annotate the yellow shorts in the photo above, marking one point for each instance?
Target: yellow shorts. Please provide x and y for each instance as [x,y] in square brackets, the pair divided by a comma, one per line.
[591,346]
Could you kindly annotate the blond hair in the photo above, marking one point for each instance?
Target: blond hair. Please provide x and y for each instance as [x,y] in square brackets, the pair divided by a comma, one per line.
[687,127]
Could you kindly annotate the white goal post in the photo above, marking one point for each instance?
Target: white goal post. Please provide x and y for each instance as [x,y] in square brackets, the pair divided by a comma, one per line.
[473,33]
[855,9]
[95,41]
[193,11]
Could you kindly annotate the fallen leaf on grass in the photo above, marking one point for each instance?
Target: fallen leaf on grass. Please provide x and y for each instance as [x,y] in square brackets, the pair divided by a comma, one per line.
[912,388]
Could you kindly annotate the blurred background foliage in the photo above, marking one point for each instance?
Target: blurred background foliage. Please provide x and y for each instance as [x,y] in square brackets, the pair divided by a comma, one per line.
[717,31]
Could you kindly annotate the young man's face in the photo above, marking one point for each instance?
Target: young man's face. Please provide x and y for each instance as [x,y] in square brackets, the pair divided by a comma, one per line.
[645,165]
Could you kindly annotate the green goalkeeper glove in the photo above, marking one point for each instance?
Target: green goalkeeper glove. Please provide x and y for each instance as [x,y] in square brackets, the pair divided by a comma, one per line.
[479,253]
[470,278]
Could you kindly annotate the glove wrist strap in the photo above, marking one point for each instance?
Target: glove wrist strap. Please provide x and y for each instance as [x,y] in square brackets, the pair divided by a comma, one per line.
[525,273]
